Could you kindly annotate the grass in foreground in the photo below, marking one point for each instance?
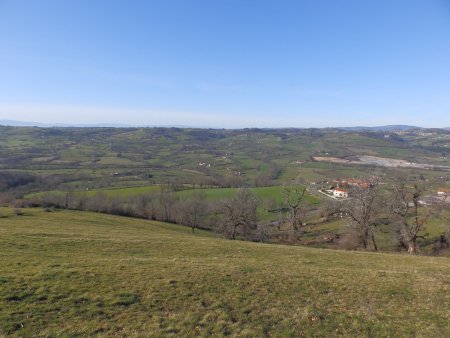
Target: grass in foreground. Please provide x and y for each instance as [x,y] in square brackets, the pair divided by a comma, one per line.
[75,273]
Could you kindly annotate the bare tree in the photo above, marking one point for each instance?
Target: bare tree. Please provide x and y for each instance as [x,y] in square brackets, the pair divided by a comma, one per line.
[363,208]
[99,202]
[262,231]
[404,205]
[294,195]
[144,205]
[152,210]
[81,202]
[328,209]
[193,210]
[166,200]
[442,209]
[240,211]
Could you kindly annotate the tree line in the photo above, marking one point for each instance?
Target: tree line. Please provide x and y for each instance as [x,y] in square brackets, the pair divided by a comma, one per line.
[368,211]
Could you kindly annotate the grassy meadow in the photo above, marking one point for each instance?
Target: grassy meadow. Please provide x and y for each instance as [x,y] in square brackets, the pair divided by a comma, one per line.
[110,192]
[68,273]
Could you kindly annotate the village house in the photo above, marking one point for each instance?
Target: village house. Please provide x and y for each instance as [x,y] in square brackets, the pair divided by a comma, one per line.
[443,192]
[340,193]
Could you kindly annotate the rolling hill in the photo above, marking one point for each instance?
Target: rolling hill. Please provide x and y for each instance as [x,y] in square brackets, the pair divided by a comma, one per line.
[80,158]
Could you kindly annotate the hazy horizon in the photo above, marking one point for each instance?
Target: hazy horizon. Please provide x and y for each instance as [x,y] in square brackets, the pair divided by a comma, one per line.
[21,123]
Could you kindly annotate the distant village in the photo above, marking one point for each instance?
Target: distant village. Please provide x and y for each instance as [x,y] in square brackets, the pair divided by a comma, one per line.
[339,189]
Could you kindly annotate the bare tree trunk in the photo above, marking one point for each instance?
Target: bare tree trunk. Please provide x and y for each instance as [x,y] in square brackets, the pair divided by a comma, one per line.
[372,236]
[364,243]
[233,234]
[412,247]
[364,236]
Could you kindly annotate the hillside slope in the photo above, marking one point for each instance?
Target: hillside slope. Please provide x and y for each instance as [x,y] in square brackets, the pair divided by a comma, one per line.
[77,273]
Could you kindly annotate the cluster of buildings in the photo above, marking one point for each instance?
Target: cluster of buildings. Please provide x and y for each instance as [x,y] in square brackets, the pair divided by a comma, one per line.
[340,188]
[353,183]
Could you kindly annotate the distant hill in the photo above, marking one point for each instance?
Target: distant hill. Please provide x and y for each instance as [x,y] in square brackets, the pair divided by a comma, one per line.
[14,123]
[388,128]
[137,156]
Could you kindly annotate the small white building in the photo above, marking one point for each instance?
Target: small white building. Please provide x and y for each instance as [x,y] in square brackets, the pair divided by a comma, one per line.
[340,193]
[443,192]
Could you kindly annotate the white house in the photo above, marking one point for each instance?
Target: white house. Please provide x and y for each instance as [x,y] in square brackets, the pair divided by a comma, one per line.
[341,193]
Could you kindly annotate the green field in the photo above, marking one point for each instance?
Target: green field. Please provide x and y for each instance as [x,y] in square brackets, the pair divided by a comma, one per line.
[93,158]
[268,198]
[72,273]
[110,192]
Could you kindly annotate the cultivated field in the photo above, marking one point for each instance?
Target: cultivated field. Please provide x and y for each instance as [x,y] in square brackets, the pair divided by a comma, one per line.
[69,273]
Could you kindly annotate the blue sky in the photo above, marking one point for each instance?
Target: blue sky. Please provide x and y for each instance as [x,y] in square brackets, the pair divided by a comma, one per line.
[226,63]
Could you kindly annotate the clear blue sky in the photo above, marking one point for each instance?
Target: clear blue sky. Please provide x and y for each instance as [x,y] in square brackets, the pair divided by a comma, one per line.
[226,63]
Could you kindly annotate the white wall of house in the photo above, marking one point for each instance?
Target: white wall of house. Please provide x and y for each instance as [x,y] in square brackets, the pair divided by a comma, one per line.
[339,193]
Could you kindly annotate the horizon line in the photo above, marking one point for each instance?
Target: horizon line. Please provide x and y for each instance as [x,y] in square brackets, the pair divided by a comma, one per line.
[22,123]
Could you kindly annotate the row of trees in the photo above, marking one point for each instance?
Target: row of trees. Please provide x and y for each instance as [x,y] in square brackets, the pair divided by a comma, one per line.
[399,206]
[162,206]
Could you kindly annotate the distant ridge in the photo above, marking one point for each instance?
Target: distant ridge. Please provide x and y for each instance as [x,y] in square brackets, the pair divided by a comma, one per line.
[14,123]
[388,128]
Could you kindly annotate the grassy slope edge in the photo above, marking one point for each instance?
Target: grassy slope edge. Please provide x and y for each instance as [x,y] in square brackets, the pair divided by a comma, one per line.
[78,273]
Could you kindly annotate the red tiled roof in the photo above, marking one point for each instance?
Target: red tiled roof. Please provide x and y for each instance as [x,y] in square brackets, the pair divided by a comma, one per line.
[339,189]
